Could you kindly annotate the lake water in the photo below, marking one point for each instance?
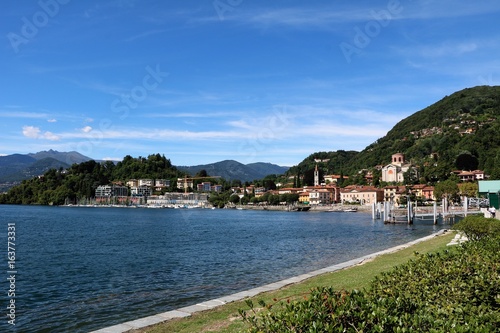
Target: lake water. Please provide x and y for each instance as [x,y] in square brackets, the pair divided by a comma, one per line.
[81,269]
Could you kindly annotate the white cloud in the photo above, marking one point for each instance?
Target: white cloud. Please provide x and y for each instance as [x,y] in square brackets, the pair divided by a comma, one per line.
[52,120]
[51,136]
[31,132]
[86,129]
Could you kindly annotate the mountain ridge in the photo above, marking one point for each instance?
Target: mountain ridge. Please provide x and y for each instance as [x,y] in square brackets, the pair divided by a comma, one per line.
[234,170]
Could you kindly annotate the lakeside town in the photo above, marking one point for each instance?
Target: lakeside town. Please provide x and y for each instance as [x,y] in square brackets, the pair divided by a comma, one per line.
[325,192]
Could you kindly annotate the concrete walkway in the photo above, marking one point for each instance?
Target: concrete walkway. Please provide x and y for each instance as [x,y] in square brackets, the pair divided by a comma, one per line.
[189,310]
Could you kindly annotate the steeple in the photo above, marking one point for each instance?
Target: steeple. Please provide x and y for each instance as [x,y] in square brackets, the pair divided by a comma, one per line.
[316,176]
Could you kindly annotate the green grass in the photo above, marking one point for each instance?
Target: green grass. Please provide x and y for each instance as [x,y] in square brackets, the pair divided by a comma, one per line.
[225,319]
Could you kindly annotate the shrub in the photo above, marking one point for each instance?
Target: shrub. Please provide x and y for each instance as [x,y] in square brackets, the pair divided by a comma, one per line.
[476,227]
[456,290]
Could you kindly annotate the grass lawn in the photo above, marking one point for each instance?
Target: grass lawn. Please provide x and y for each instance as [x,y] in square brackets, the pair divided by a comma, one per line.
[225,319]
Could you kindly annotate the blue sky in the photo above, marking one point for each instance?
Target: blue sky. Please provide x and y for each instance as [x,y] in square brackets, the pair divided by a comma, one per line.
[255,81]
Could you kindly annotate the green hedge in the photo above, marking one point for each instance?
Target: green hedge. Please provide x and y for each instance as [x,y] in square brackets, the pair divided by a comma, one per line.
[457,290]
[476,227]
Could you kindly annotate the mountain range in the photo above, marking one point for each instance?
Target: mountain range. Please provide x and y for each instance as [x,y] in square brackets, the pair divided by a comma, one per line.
[17,167]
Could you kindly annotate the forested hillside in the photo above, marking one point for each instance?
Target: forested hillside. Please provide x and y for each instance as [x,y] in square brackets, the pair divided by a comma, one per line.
[328,163]
[459,132]
[234,170]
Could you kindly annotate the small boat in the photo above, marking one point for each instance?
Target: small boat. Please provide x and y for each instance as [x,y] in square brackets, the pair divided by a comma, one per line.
[350,210]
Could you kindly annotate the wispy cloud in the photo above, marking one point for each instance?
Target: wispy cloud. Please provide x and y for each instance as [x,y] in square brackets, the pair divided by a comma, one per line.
[145,34]
[325,17]
[18,114]
[443,9]
[448,49]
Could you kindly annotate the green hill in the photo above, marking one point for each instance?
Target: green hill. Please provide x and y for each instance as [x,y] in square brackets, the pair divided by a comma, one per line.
[58,186]
[233,170]
[461,131]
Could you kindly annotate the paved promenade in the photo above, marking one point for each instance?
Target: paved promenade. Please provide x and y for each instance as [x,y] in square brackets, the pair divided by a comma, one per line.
[189,310]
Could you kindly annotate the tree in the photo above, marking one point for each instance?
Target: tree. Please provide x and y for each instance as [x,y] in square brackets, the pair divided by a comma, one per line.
[466,161]
[469,189]
[446,189]
[202,173]
[234,199]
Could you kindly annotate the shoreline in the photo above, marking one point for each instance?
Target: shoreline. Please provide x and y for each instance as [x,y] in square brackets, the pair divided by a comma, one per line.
[187,311]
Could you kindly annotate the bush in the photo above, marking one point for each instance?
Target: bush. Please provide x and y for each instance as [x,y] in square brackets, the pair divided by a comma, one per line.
[477,227]
[457,290]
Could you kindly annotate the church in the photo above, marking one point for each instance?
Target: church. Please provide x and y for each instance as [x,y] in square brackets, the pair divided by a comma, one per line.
[394,172]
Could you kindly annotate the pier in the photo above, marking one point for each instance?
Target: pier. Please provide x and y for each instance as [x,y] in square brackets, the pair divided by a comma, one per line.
[412,213]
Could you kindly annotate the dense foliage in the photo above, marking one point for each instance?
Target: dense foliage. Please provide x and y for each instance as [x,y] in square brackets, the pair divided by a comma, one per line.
[459,132]
[80,180]
[457,290]
[332,162]
[477,227]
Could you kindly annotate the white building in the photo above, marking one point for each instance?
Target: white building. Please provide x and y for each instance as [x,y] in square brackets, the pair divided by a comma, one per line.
[145,182]
[141,191]
[103,191]
[394,172]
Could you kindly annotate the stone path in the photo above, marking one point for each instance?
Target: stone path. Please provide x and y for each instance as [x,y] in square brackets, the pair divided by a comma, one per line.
[459,239]
[189,310]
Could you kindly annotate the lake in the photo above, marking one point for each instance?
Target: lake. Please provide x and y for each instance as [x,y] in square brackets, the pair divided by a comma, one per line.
[81,269]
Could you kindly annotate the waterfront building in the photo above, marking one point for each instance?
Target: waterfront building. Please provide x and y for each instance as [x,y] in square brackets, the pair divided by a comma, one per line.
[304,198]
[141,191]
[319,197]
[178,199]
[333,190]
[204,187]
[109,191]
[364,195]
